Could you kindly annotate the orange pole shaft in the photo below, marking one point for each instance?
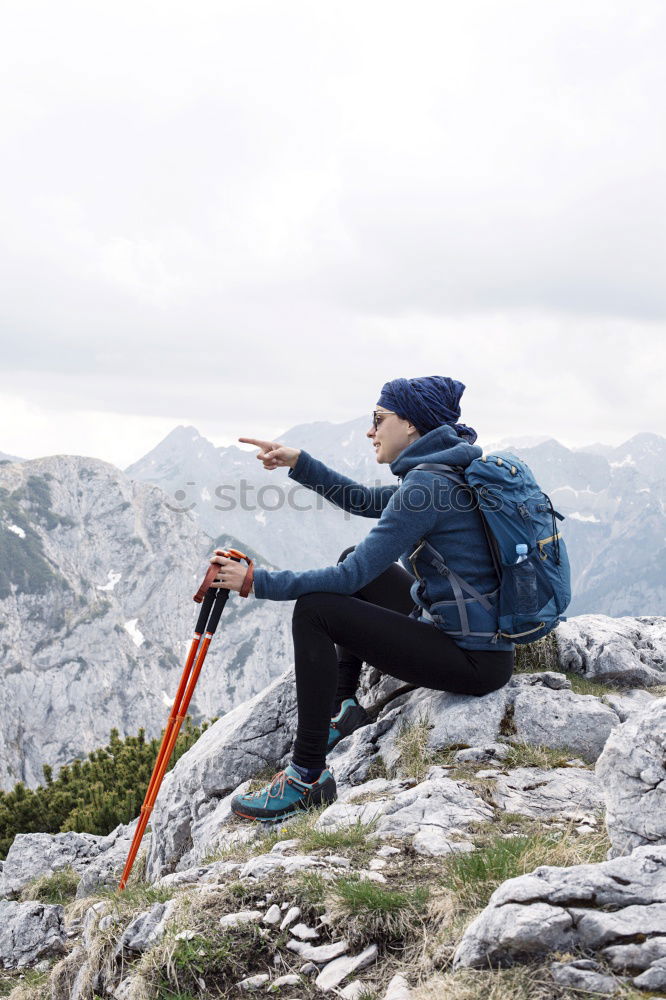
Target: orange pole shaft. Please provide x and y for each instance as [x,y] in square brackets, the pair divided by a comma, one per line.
[175,708]
[164,756]
[157,767]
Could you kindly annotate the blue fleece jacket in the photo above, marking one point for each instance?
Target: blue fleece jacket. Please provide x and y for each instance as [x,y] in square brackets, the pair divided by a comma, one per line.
[419,507]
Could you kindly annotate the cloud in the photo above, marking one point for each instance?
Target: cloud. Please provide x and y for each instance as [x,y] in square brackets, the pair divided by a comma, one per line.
[245,208]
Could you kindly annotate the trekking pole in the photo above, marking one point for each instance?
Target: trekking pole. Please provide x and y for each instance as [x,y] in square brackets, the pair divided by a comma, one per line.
[212,600]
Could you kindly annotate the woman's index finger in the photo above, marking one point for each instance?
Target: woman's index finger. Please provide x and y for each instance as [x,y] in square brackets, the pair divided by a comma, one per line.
[256,441]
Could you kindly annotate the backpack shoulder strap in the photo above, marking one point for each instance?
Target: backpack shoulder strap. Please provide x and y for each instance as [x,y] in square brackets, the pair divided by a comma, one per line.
[459,474]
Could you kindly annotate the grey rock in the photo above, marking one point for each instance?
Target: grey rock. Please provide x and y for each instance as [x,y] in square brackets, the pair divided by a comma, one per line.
[635,957]
[432,842]
[34,854]
[265,864]
[376,688]
[454,718]
[147,928]
[284,845]
[398,989]
[231,920]
[475,755]
[254,982]
[626,703]
[210,832]
[366,873]
[304,933]
[337,861]
[632,773]
[292,914]
[653,978]
[426,812]
[353,990]
[438,802]
[201,874]
[90,922]
[123,990]
[353,757]
[106,868]
[309,969]
[543,678]
[560,792]
[318,953]
[338,970]
[258,731]
[342,814]
[584,907]
[387,851]
[273,915]
[30,932]
[287,980]
[583,976]
[562,719]
[629,651]
[380,787]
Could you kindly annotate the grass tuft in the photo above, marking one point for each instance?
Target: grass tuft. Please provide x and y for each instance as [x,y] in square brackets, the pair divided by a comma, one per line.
[358,837]
[377,769]
[56,887]
[414,755]
[23,984]
[365,911]
[534,657]
[526,755]
[472,878]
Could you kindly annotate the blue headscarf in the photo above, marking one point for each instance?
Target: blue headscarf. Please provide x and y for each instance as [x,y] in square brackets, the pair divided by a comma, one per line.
[427,403]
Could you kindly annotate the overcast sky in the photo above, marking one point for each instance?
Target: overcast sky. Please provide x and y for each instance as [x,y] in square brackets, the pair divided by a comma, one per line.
[246,216]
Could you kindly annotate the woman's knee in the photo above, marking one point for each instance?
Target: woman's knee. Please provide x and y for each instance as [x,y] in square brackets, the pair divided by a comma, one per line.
[343,555]
[311,604]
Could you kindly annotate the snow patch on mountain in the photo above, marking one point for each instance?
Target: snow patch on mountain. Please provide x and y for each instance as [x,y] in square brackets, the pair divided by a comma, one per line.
[111,580]
[132,629]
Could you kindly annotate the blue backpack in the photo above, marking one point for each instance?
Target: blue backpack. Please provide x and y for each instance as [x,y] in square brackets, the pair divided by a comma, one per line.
[533,593]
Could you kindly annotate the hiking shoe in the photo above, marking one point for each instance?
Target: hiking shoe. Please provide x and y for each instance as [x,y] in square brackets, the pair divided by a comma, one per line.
[286,794]
[350,717]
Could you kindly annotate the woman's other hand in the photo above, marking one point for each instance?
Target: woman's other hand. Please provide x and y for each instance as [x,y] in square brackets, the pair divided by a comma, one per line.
[274,455]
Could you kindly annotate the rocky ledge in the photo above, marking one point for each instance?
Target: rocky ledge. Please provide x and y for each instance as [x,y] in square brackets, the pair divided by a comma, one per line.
[473,839]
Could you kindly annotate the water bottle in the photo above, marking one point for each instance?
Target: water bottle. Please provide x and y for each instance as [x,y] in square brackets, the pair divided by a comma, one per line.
[527,595]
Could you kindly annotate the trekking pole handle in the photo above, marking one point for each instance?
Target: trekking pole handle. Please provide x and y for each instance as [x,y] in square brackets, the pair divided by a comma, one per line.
[214,569]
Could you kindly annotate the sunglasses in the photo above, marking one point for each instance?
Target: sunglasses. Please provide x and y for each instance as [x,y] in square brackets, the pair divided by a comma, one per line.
[377,417]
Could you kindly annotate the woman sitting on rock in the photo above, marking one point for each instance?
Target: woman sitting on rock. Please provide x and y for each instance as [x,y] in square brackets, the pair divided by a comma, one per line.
[366,603]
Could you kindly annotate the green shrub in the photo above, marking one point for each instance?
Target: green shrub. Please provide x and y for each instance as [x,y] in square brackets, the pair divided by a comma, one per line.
[93,795]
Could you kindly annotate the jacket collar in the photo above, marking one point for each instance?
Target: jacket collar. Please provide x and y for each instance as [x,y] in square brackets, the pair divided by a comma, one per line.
[439,445]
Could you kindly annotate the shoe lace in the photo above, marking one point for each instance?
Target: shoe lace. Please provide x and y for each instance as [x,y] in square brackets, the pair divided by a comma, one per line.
[279,779]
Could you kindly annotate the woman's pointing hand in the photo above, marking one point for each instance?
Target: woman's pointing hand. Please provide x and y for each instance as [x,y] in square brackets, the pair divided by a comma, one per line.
[272,454]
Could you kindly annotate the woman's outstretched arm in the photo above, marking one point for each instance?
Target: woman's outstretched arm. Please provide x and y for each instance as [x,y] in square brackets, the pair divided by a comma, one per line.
[366,501]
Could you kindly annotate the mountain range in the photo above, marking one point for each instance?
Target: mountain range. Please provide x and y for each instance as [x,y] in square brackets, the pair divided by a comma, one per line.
[612,499]
[98,568]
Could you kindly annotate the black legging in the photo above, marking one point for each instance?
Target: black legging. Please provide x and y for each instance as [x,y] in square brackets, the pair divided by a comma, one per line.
[372,626]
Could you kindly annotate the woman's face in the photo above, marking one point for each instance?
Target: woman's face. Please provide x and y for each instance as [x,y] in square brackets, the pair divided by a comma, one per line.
[391,436]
